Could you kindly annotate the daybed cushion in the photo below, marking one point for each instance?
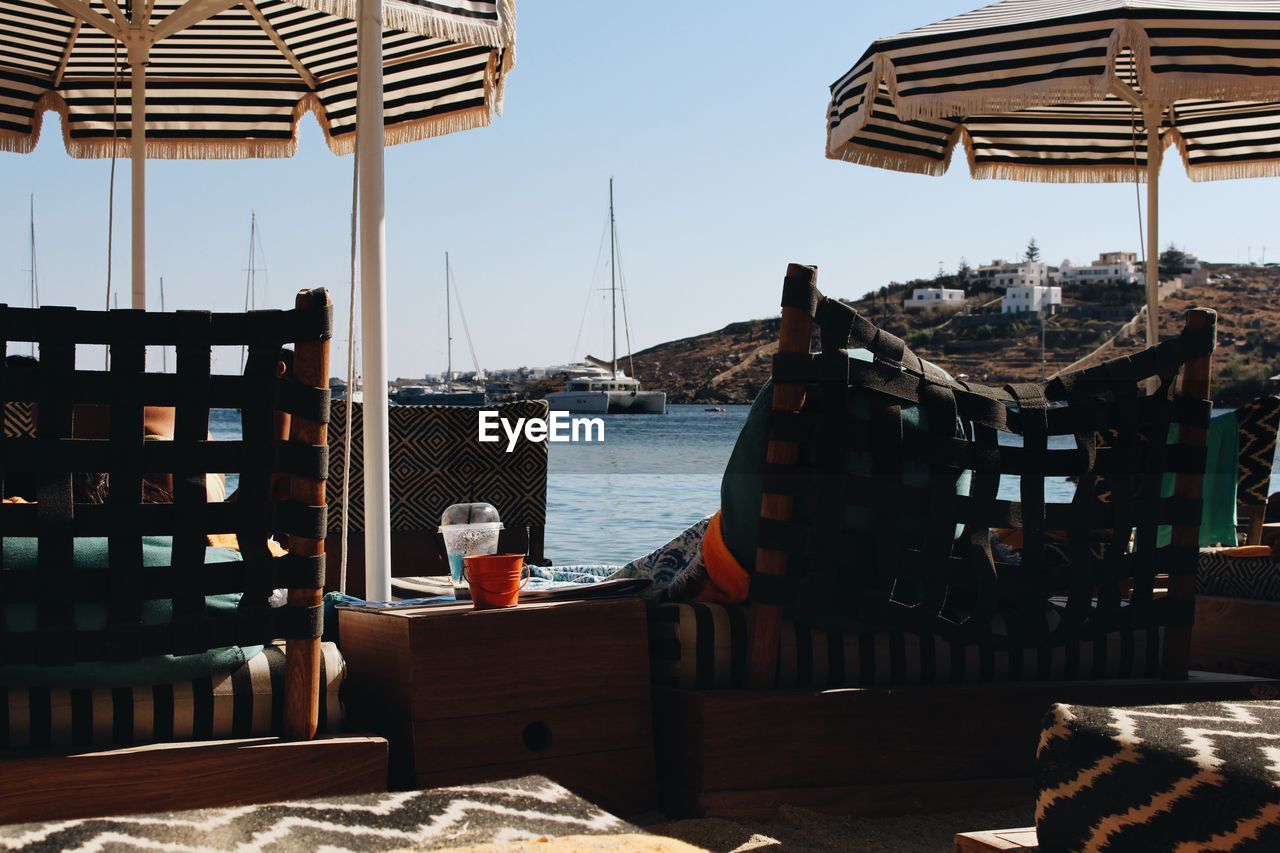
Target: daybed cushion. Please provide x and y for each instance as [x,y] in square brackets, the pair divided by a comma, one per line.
[700,646]
[1201,776]
[1256,578]
[90,553]
[248,702]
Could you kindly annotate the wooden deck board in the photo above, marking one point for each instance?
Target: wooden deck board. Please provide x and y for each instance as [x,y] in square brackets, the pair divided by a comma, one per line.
[175,776]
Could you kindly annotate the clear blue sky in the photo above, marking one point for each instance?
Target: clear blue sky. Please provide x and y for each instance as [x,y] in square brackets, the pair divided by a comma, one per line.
[710,116]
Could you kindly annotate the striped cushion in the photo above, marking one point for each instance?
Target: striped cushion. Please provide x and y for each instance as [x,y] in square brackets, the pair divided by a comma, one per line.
[704,646]
[248,702]
[1256,578]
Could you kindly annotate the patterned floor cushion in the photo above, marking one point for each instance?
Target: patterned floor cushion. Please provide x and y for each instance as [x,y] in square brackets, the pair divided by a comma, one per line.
[500,813]
[1202,776]
[704,646]
[1257,578]
[248,702]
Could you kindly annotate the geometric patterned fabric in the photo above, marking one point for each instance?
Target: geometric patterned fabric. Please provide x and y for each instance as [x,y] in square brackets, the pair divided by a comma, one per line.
[532,809]
[1254,578]
[1201,776]
[247,702]
[1258,421]
[436,460]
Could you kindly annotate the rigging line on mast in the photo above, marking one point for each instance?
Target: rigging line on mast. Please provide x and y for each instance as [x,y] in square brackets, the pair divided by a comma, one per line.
[626,316]
[591,287]
[248,274]
[35,272]
[261,263]
[463,316]
[164,351]
[34,278]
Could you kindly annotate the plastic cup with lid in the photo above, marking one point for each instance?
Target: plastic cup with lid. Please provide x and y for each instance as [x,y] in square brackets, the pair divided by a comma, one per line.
[468,529]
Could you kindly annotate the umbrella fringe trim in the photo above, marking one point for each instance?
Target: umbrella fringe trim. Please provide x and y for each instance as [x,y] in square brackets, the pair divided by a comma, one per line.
[242,149]
[18,143]
[852,153]
[425,128]
[1233,171]
[186,149]
[427,22]
[1078,174]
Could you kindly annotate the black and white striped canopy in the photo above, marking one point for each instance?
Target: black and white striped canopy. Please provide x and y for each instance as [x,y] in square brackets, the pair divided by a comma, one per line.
[235,84]
[1054,90]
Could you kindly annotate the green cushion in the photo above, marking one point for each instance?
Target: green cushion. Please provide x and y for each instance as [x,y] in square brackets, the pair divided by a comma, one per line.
[742,488]
[20,554]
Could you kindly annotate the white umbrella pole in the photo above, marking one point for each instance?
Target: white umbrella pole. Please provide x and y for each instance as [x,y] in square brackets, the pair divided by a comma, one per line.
[373,302]
[1154,155]
[139,52]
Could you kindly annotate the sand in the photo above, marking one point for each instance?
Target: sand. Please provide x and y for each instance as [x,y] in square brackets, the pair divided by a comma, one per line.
[804,831]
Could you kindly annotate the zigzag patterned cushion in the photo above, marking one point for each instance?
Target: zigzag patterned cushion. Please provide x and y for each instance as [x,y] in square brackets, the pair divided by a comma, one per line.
[1202,776]
[494,815]
[239,704]
[1256,578]
[699,646]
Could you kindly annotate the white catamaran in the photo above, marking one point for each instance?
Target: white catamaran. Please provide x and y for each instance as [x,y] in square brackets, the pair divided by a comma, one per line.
[614,393]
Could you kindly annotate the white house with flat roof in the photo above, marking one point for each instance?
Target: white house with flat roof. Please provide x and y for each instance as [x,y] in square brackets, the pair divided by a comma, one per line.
[1109,268]
[1035,299]
[1022,274]
[934,297]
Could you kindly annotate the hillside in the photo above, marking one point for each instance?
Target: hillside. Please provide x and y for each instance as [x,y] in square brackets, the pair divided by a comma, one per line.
[725,366]
[731,364]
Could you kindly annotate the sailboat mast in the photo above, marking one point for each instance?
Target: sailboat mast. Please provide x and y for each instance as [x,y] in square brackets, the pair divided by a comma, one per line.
[35,287]
[164,351]
[448,323]
[613,283]
[249,295]
[248,275]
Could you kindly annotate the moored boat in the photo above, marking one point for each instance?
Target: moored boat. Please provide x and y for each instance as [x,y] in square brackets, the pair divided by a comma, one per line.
[612,392]
[616,395]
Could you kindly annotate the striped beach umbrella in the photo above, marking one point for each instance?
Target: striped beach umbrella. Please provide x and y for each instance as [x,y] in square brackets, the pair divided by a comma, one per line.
[1072,90]
[232,78]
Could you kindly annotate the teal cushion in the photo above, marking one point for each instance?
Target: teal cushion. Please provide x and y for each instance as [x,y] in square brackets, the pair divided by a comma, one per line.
[741,489]
[20,554]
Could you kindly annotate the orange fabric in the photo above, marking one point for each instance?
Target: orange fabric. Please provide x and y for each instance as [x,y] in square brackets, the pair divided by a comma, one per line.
[1247,551]
[726,581]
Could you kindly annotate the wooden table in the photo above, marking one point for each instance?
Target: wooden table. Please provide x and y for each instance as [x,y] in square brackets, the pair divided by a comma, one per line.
[559,689]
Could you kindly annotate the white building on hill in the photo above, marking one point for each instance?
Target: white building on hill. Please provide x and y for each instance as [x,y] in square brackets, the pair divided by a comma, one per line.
[933,297]
[1018,300]
[1109,268]
[1022,274]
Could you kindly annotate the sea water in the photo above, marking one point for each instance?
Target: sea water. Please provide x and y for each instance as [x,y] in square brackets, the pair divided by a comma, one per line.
[652,476]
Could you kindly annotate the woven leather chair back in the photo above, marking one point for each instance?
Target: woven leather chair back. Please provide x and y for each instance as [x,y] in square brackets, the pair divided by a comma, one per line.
[904,567]
[281,484]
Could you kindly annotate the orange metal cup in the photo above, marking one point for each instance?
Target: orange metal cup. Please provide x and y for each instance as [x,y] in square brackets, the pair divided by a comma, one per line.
[495,579]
